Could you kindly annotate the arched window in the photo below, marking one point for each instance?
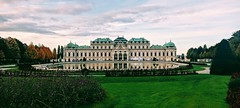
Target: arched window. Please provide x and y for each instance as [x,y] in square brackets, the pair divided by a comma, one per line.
[120,56]
[115,56]
[125,56]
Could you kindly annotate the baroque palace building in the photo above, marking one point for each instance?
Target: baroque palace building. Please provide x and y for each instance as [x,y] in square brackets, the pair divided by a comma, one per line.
[105,54]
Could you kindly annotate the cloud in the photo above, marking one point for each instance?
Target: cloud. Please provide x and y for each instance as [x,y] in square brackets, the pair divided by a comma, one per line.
[26,27]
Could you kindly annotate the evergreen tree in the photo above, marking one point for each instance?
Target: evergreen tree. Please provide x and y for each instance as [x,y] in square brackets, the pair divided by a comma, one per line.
[61,52]
[58,52]
[224,62]
[54,53]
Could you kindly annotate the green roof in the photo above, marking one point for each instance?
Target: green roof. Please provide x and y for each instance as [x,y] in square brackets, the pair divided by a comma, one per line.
[169,44]
[84,47]
[75,46]
[71,45]
[157,47]
[120,39]
[138,40]
[102,40]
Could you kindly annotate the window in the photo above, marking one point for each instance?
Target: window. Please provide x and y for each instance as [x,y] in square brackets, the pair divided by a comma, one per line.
[139,47]
[97,54]
[135,53]
[109,54]
[93,54]
[93,47]
[105,54]
[85,54]
[69,54]
[89,53]
[73,54]
[159,54]
[115,56]
[167,53]
[120,65]
[125,56]
[125,65]
[163,53]
[155,53]
[139,54]
[120,56]
[171,53]
[81,54]
[151,54]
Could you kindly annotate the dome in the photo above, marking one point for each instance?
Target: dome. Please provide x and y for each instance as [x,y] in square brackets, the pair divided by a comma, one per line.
[169,44]
[120,40]
[71,45]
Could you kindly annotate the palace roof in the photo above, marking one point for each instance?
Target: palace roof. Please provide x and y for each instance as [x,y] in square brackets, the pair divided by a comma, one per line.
[133,40]
[157,47]
[169,44]
[102,40]
[120,40]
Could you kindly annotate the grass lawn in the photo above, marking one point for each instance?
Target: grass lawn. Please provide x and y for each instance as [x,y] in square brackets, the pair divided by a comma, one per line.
[198,67]
[189,91]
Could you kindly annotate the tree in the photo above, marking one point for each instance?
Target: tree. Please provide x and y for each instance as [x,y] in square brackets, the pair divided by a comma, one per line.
[54,53]
[14,48]
[32,52]
[2,56]
[238,51]
[224,62]
[58,52]
[61,52]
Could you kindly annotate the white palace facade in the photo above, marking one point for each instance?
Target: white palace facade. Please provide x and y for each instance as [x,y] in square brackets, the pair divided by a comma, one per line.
[107,54]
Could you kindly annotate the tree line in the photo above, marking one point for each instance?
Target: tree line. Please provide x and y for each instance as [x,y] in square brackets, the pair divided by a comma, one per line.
[202,52]
[14,51]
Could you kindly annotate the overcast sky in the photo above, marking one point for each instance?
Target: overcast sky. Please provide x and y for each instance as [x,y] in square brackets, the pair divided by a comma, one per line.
[187,23]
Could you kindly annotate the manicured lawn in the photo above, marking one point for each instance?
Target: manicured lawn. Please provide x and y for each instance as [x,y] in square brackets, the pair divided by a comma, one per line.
[198,67]
[189,91]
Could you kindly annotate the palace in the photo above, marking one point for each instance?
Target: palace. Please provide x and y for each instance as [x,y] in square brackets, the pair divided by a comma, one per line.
[105,54]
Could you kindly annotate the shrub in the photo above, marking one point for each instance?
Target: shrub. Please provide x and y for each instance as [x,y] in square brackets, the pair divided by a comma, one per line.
[233,97]
[49,92]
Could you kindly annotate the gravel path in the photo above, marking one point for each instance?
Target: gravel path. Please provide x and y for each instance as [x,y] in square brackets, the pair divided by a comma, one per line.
[206,71]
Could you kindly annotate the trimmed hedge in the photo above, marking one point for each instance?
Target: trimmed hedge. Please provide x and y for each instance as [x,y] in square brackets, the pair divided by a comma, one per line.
[233,97]
[49,92]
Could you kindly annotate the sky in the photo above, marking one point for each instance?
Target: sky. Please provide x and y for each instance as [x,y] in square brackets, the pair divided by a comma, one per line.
[187,23]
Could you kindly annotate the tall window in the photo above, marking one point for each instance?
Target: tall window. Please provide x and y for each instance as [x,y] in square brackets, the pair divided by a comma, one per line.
[120,56]
[125,56]
[115,56]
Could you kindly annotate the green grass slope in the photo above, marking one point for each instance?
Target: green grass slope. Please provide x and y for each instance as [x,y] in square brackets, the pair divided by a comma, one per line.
[189,91]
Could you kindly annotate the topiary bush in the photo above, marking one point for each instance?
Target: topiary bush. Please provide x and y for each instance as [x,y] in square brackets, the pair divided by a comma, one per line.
[233,96]
[49,92]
